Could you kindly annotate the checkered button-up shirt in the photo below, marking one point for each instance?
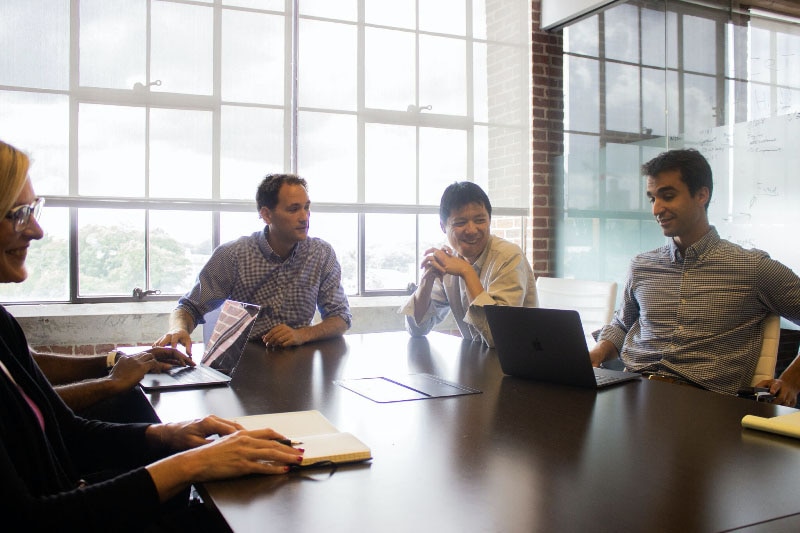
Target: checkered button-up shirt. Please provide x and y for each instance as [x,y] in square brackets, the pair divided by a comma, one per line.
[288,291]
[698,315]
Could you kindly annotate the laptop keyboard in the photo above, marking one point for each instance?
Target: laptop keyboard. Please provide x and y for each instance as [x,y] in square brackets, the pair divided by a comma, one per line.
[608,379]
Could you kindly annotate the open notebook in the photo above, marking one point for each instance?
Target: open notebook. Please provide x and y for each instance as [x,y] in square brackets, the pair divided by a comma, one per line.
[221,356]
[314,433]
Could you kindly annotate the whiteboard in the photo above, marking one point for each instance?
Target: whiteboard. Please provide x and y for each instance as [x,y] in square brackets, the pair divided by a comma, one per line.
[756,198]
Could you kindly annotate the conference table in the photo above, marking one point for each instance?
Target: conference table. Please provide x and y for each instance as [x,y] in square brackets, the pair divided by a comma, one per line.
[520,456]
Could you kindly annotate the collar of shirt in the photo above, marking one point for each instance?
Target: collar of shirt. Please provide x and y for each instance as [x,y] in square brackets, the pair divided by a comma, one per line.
[269,253]
[478,264]
[697,250]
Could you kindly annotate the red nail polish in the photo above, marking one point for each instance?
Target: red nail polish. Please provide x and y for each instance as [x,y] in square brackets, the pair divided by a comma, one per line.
[300,459]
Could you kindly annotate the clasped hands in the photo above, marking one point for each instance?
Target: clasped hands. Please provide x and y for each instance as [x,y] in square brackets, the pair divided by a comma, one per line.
[440,261]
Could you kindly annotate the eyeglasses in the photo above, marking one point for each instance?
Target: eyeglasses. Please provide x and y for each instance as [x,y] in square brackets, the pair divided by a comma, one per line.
[20,216]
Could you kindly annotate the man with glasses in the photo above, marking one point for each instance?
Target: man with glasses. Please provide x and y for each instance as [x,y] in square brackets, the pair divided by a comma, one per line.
[476,269]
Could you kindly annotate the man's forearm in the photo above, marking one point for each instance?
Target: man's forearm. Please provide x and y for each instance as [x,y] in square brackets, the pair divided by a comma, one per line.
[792,373]
[422,298]
[86,393]
[181,319]
[333,326]
[59,369]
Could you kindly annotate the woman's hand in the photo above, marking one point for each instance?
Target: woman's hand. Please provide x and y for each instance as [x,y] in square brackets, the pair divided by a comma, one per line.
[233,454]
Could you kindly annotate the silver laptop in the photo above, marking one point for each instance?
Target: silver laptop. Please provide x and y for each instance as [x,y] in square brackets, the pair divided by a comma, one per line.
[547,345]
[221,356]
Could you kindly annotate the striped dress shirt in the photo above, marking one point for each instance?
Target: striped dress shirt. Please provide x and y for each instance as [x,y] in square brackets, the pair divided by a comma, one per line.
[698,315]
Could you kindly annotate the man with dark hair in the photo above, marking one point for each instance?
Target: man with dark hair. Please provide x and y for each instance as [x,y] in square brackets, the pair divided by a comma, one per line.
[692,310]
[287,273]
[477,269]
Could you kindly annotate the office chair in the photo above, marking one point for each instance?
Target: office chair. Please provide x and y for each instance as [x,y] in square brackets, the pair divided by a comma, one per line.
[769,349]
[594,300]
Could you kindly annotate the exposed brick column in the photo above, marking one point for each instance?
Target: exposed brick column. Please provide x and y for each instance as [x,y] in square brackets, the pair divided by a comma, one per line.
[547,123]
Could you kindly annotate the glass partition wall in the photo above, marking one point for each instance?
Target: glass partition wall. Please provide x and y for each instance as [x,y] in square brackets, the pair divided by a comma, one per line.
[646,76]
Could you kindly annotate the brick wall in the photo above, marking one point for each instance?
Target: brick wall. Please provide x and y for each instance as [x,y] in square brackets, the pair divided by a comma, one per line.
[547,97]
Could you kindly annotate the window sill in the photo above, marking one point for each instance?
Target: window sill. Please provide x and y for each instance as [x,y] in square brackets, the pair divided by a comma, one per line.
[143,322]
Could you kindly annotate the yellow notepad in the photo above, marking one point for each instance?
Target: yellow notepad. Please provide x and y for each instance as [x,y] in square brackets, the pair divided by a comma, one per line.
[320,439]
[788,425]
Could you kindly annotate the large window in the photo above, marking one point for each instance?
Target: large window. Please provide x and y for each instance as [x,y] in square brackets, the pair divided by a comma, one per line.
[151,123]
[647,76]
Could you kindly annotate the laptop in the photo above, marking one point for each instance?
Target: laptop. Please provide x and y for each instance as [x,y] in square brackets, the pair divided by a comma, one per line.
[547,345]
[220,357]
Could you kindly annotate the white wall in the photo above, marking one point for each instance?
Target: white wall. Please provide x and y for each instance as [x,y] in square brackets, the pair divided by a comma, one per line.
[557,12]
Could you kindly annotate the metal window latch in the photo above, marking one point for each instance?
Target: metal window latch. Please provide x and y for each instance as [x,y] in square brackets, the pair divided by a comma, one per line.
[139,294]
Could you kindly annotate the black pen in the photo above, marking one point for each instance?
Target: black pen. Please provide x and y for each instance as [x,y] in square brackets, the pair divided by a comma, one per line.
[288,442]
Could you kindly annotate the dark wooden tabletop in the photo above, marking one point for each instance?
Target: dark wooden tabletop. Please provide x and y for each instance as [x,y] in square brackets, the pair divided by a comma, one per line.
[520,456]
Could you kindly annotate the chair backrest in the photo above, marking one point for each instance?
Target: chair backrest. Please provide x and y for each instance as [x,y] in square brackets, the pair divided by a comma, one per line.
[210,321]
[765,369]
[594,300]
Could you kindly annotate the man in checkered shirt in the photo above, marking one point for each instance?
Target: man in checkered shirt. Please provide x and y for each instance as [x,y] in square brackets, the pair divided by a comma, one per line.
[692,310]
[289,274]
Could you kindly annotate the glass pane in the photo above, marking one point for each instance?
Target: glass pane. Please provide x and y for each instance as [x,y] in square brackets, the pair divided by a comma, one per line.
[653,26]
[622,33]
[110,251]
[398,13]
[431,234]
[327,73]
[623,181]
[582,95]
[111,147]
[390,164]
[480,163]
[35,43]
[340,9]
[390,263]
[480,81]
[340,230]
[182,49]
[442,75]
[326,156]
[699,34]
[113,43]
[479,19]
[581,37]
[582,172]
[654,104]
[622,98]
[47,262]
[272,5]
[39,125]
[390,79]
[252,57]
[180,153]
[442,160]
[787,52]
[235,225]
[623,239]
[700,110]
[251,147]
[443,16]
[180,244]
